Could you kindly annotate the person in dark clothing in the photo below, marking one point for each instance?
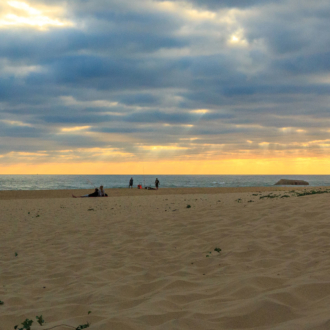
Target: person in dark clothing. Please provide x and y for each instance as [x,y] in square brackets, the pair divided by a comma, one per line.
[157,183]
[94,194]
[131,183]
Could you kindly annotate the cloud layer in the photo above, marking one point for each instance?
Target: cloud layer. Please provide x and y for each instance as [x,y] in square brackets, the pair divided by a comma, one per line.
[184,80]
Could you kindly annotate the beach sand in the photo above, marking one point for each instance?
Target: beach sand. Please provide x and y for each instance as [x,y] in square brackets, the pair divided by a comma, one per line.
[144,260]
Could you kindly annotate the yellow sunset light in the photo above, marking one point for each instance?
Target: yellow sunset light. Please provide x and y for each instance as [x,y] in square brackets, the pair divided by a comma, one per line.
[238,39]
[284,165]
[198,14]
[15,123]
[74,129]
[18,13]
[200,111]
[24,6]
[186,11]
[31,154]
[189,139]
[158,148]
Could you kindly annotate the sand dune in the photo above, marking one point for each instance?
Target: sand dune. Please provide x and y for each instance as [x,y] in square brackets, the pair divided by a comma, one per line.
[148,262]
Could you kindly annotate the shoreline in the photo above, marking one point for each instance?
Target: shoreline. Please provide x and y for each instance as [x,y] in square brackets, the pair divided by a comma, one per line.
[125,192]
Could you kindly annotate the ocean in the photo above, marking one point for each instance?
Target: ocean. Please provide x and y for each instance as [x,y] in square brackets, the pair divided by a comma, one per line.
[50,182]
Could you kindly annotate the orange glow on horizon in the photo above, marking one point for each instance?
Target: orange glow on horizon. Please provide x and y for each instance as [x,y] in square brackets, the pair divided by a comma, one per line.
[230,166]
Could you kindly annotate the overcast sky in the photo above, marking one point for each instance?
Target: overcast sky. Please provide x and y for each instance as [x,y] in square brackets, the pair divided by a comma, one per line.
[127,81]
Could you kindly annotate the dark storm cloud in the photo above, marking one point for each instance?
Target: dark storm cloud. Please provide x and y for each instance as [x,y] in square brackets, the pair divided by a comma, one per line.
[10,131]
[170,118]
[312,64]
[47,48]
[108,32]
[148,73]
[140,99]
[91,117]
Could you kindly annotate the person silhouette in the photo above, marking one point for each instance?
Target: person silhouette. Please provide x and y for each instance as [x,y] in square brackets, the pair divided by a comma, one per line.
[157,183]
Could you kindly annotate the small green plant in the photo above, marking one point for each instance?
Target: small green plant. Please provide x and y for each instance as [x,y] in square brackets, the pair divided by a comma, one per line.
[37,216]
[26,325]
[312,192]
[16,254]
[83,326]
[207,256]
[239,200]
[28,212]
[188,206]
[217,249]
[40,320]
[1,302]
[251,201]
[269,196]
[285,196]
[90,209]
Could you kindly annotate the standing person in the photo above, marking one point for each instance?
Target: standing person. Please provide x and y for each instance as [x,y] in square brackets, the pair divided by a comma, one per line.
[157,183]
[131,183]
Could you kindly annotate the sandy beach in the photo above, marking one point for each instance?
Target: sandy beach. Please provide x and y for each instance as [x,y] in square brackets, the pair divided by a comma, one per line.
[151,259]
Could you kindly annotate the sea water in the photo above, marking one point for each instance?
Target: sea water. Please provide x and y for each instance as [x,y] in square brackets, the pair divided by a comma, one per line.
[50,182]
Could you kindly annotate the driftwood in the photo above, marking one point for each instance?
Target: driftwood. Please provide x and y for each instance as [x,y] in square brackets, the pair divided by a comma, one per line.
[284,182]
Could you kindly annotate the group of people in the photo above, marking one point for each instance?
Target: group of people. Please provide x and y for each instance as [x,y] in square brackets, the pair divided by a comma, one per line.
[99,192]
[157,183]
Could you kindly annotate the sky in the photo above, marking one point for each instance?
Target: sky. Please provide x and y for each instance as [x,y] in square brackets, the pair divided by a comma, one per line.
[164,87]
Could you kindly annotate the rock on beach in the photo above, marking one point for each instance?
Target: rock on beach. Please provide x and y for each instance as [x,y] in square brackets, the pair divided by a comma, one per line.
[284,182]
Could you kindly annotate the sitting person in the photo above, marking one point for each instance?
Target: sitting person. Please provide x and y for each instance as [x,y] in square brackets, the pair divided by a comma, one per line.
[102,193]
[94,194]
